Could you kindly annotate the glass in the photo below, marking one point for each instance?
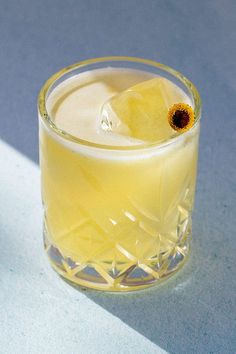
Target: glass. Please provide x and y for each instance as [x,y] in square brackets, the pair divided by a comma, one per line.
[117,218]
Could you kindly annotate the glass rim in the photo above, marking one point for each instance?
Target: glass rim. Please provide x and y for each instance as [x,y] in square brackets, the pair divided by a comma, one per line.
[44,115]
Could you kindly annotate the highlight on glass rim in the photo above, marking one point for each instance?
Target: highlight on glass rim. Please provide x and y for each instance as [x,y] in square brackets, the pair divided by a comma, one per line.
[118,155]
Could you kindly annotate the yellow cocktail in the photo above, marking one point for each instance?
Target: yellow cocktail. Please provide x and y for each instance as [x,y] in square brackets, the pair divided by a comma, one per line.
[117,208]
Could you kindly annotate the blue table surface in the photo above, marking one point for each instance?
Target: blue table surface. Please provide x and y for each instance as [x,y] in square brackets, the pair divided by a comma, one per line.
[195,312]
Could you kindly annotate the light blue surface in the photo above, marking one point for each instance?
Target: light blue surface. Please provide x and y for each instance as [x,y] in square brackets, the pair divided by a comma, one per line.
[194,312]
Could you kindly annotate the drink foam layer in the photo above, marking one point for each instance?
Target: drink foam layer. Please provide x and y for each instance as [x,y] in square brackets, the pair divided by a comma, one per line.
[76,104]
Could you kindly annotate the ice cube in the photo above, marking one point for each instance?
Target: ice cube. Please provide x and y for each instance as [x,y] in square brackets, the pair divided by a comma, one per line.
[141,111]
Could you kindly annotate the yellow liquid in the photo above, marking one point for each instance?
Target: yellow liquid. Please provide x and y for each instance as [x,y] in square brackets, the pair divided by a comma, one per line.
[117,220]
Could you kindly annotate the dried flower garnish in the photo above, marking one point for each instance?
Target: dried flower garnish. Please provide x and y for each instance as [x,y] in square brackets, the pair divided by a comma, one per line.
[181,117]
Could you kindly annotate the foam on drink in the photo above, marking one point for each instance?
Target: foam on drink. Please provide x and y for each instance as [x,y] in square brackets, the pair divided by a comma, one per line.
[96,106]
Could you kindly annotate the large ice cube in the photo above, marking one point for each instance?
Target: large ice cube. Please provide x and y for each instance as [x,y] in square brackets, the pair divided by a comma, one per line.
[141,111]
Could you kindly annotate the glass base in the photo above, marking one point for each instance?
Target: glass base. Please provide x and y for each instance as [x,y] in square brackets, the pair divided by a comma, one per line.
[115,277]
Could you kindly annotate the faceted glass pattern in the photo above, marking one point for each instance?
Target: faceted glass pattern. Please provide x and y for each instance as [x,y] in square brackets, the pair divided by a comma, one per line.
[117,225]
